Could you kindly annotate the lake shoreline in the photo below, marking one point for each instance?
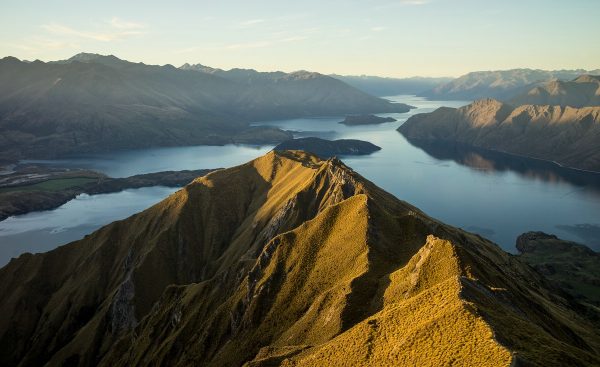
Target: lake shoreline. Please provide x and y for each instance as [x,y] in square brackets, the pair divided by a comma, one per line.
[497,195]
[22,199]
[549,161]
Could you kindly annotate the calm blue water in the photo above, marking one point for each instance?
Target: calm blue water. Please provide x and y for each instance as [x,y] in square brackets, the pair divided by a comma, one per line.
[43,231]
[495,195]
[134,162]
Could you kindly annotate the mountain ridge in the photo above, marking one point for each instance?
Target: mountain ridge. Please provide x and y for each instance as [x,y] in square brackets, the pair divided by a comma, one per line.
[565,135]
[385,86]
[499,84]
[583,91]
[93,103]
[285,260]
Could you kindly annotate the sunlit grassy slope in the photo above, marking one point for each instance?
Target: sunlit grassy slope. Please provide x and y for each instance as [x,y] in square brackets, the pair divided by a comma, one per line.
[286,260]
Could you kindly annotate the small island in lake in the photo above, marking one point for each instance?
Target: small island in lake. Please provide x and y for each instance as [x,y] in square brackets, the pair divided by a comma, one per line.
[329,148]
[353,120]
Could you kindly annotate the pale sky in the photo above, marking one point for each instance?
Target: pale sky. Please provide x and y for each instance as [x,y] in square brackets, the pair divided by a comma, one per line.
[397,38]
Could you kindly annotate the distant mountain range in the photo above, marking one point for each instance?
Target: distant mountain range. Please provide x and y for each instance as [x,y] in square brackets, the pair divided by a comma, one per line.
[500,84]
[289,260]
[92,103]
[581,92]
[379,86]
[567,135]
[373,85]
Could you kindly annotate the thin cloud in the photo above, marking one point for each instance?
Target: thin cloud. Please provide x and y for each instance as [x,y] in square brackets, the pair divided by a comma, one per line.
[312,30]
[414,2]
[187,50]
[400,3]
[294,39]
[123,24]
[247,45]
[118,29]
[238,46]
[35,44]
[377,29]
[251,22]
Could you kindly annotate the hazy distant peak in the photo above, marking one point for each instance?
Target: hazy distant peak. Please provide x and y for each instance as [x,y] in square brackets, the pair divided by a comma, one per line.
[303,75]
[244,70]
[89,57]
[588,78]
[9,59]
[582,91]
[500,84]
[93,58]
[199,67]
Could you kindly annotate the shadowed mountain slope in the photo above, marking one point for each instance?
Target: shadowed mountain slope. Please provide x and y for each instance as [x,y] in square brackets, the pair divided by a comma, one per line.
[566,135]
[573,266]
[294,94]
[286,260]
[98,103]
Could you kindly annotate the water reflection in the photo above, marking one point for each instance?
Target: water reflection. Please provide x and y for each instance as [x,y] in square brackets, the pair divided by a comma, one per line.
[487,161]
[588,232]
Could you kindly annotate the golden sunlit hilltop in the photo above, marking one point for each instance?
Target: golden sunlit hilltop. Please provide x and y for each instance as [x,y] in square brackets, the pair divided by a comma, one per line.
[286,260]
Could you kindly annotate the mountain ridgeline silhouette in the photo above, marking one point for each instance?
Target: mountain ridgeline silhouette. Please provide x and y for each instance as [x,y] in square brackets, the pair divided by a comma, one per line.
[92,103]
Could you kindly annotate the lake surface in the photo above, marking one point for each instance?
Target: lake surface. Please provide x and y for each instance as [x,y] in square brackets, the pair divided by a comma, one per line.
[43,231]
[134,162]
[496,195]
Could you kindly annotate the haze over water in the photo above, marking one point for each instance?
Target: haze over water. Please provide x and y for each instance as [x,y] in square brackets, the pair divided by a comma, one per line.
[495,195]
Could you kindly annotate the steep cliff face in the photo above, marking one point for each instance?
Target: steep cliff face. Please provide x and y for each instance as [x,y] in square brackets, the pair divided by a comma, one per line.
[286,260]
[566,135]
